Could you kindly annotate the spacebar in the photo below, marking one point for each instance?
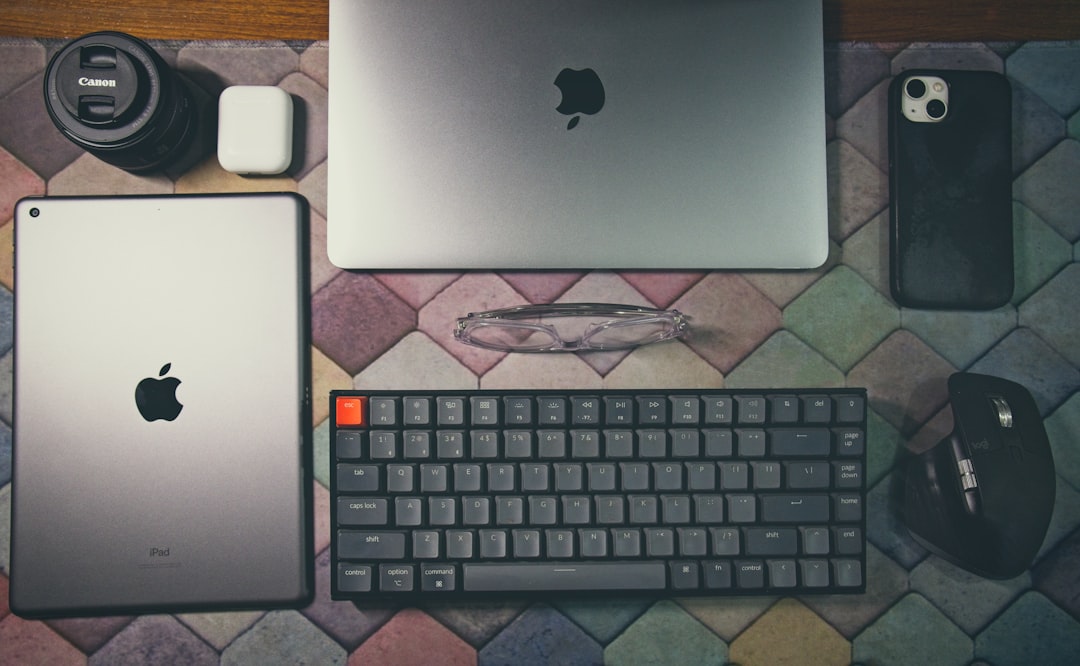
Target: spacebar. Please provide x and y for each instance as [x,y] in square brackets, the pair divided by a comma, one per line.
[530,576]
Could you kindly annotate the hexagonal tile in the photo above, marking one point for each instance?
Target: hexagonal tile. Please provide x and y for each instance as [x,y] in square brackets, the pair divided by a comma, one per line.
[913,632]
[541,286]
[666,630]
[884,526]
[957,55]
[789,632]
[782,287]
[665,365]
[727,617]
[315,62]
[355,319]
[89,633]
[1036,127]
[1032,631]
[886,581]
[851,70]
[858,189]
[541,371]
[16,181]
[34,140]
[1049,188]
[885,447]
[219,629]
[216,65]
[24,59]
[285,637]
[413,637]
[1042,312]
[1052,71]
[968,600]
[960,337]
[309,123]
[842,317]
[346,623]
[1058,575]
[417,289]
[1039,252]
[784,361]
[864,126]
[662,289]
[473,292]
[729,318]
[156,637]
[1063,431]
[477,622]
[905,379]
[27,642]
[415,362]
[867,253]
[541,635]
[604,618]
[1026,359]
[89,175]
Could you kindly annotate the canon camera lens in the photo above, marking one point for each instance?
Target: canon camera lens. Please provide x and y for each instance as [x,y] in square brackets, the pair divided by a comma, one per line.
[114,96]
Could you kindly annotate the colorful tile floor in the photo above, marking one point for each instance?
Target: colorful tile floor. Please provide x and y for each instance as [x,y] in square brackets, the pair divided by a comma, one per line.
[829,327]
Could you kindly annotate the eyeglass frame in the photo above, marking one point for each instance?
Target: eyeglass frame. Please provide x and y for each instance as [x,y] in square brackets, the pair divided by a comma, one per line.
[632,315]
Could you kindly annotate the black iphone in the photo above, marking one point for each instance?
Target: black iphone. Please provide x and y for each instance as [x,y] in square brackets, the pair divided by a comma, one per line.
[950,187]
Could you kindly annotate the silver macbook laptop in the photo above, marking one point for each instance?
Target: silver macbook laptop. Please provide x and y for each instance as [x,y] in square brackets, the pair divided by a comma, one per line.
[162,405]
[576,134]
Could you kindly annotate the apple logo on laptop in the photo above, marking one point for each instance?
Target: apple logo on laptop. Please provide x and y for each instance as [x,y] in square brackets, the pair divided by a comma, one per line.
[156,398]
[582,92]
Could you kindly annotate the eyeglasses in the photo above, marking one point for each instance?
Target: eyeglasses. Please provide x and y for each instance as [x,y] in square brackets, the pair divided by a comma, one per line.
[569,327]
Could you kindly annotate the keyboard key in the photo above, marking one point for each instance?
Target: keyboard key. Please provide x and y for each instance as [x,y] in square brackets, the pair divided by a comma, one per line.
[354,577]
[750,574]
[750,409]
[438,577]
[684,575]
[383,411]
[782,573]
[349,410]
[396,577]
[798,442]
[354,511]
[363,545]
[529,577]
[767,541]
[850,409]
[350,444]
[795,508]
[526,543]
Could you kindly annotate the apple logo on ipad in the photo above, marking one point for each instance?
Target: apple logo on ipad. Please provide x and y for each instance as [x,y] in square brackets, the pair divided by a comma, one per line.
[582,92]
[156,398]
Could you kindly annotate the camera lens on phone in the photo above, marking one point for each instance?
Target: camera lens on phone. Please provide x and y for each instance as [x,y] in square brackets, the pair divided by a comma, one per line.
[114,96]
[935,108]
[915,88]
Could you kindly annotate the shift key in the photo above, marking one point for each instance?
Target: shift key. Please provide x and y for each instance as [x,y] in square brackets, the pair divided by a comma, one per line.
[370,545]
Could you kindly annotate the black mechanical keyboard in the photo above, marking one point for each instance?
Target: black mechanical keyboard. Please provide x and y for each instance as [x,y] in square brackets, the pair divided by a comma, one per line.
[466,494]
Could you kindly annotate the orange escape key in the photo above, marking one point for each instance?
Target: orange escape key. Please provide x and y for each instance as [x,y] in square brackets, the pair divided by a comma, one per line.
[350,410]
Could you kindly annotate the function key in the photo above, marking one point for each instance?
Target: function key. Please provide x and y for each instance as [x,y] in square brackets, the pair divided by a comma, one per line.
[718,409]
[685,409]
[585,411]
[817,409]
[652,410]
[349,410]
[383,411]
[518,410]
[850,409]
[552,411]
[785,408]
[417,410]
[750,409]
[450,411]
[485,410]
[618,411]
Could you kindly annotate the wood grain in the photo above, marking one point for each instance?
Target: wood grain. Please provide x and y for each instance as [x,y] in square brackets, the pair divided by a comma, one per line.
[845,20]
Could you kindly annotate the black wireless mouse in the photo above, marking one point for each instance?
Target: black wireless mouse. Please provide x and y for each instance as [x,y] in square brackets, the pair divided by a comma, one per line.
[983,496]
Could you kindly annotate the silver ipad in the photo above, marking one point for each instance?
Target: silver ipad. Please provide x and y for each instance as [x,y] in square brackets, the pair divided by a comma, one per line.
[162,432]
[658,134]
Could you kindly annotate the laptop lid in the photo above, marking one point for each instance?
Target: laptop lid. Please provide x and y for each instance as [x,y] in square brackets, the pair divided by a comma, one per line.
[471,134]
[162,431]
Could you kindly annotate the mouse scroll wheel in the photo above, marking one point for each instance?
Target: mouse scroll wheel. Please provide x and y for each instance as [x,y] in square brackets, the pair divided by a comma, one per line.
[967,474]
[1003,411]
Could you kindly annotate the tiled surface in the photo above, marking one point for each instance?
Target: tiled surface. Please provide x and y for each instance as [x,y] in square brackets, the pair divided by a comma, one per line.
[833,326]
